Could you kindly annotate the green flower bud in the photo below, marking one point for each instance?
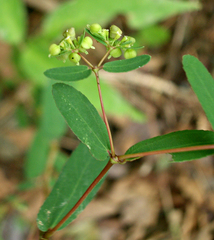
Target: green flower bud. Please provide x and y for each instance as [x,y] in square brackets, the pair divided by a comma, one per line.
[63,57]
[62,44]
[130,53]
[87,43]
[95,28]
[105,34]
[74,57]
[124,39]
[116,52]
[115,32]
[132,40]
[54,49]
[129,39]
[70,33]
[83,50]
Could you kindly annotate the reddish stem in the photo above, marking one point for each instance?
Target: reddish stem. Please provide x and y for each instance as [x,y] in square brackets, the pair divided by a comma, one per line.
[104,115]
[50,232]
[175,150]
[86,61]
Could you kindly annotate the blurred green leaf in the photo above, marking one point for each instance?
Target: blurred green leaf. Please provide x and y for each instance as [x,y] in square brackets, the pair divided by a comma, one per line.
[34,60]
[12,21]
[52,124]
[126,64]
[77,175]
[178,139]
[61,159]
[148,12]
[139,13]
[73,73]
[88,12]
[37,156]
[153,36]
[26,185]
[22,117]
[202,84]
[83,119]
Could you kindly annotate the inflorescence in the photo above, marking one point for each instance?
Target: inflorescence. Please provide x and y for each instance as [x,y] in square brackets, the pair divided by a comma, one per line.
[71,47]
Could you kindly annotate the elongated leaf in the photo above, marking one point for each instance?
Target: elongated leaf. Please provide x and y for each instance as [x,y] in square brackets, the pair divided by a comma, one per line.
[126,64]
[135,48]
[96,37]
[83,119]
[82,37]
[77,175]
[52,126]
[178,139]
[52,123]
[73,73]
[37,156]
[202,84]
[12,21]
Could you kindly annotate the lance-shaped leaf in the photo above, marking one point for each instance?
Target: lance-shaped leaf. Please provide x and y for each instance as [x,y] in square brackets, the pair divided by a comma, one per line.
[202,84]
[97,37]
[77,175]
[180,139]
[83,119]
[126,64]
[73,73]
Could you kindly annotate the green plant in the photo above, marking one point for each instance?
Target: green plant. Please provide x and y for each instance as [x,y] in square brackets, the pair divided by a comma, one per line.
[84,171]
[30,59]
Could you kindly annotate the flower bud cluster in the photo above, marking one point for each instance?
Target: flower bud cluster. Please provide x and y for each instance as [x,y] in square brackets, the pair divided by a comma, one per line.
[70,46]
[112,38]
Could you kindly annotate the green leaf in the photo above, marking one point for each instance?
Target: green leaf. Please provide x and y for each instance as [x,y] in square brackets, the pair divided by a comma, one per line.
[202,84]
[34,60]
[37,156]
[52,126]
[77,175]
[12,21]
[153,36]
[135,48]
[96,37]
[73,73]
[52,123]
[127,64]
[148,12]
[82,37]
[178,139]
[83,119]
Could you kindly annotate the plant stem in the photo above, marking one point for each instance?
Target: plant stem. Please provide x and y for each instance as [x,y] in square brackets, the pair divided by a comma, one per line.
[175,150]
[104,57]
[86,61]
[104,115]
[50,232]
